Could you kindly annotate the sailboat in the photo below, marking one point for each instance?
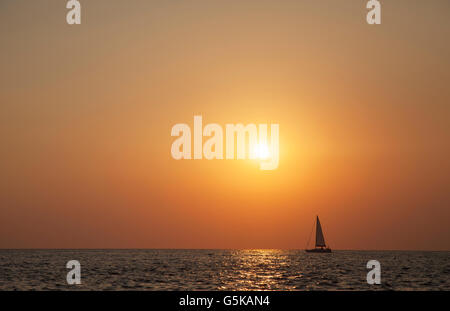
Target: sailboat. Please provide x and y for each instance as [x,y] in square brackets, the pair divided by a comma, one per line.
[320,247]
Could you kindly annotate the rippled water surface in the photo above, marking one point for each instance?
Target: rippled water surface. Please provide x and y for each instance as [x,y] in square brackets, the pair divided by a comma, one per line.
[222,270]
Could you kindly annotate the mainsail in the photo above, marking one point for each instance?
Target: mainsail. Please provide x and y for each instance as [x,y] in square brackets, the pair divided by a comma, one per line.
[320,240]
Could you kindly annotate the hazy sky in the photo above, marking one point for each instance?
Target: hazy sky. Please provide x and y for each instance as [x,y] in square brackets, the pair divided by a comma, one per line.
[86,113]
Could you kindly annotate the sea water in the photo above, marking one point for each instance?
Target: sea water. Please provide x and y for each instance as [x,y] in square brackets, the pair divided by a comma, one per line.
[223,270]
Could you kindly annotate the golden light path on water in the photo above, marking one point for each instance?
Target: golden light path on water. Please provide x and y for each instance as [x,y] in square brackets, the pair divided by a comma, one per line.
[258,268]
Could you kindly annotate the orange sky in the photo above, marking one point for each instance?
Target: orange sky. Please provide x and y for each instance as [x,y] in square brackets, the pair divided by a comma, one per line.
[86,113]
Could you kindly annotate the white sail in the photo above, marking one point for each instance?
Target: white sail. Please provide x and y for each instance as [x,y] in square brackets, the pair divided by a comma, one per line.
[320,240]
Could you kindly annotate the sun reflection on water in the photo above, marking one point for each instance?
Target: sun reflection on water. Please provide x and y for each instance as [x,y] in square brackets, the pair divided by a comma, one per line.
[256,269]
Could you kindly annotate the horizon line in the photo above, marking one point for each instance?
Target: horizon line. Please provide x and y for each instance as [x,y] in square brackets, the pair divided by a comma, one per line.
[170,248]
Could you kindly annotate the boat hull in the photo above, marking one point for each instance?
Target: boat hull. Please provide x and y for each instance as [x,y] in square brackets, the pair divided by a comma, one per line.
[318,250]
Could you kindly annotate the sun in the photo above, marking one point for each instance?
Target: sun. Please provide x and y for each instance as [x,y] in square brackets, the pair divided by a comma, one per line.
[261,151]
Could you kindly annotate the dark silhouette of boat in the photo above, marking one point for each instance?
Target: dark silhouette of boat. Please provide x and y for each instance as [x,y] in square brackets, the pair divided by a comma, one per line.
[320,246]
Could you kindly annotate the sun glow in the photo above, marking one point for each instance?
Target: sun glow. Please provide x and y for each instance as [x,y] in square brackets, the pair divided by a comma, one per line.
[261,151]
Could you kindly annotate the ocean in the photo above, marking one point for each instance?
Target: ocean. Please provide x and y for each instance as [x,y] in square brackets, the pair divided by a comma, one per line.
[223,270]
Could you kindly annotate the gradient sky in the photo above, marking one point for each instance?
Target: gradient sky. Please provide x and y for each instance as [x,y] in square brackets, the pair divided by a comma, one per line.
[86,113]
